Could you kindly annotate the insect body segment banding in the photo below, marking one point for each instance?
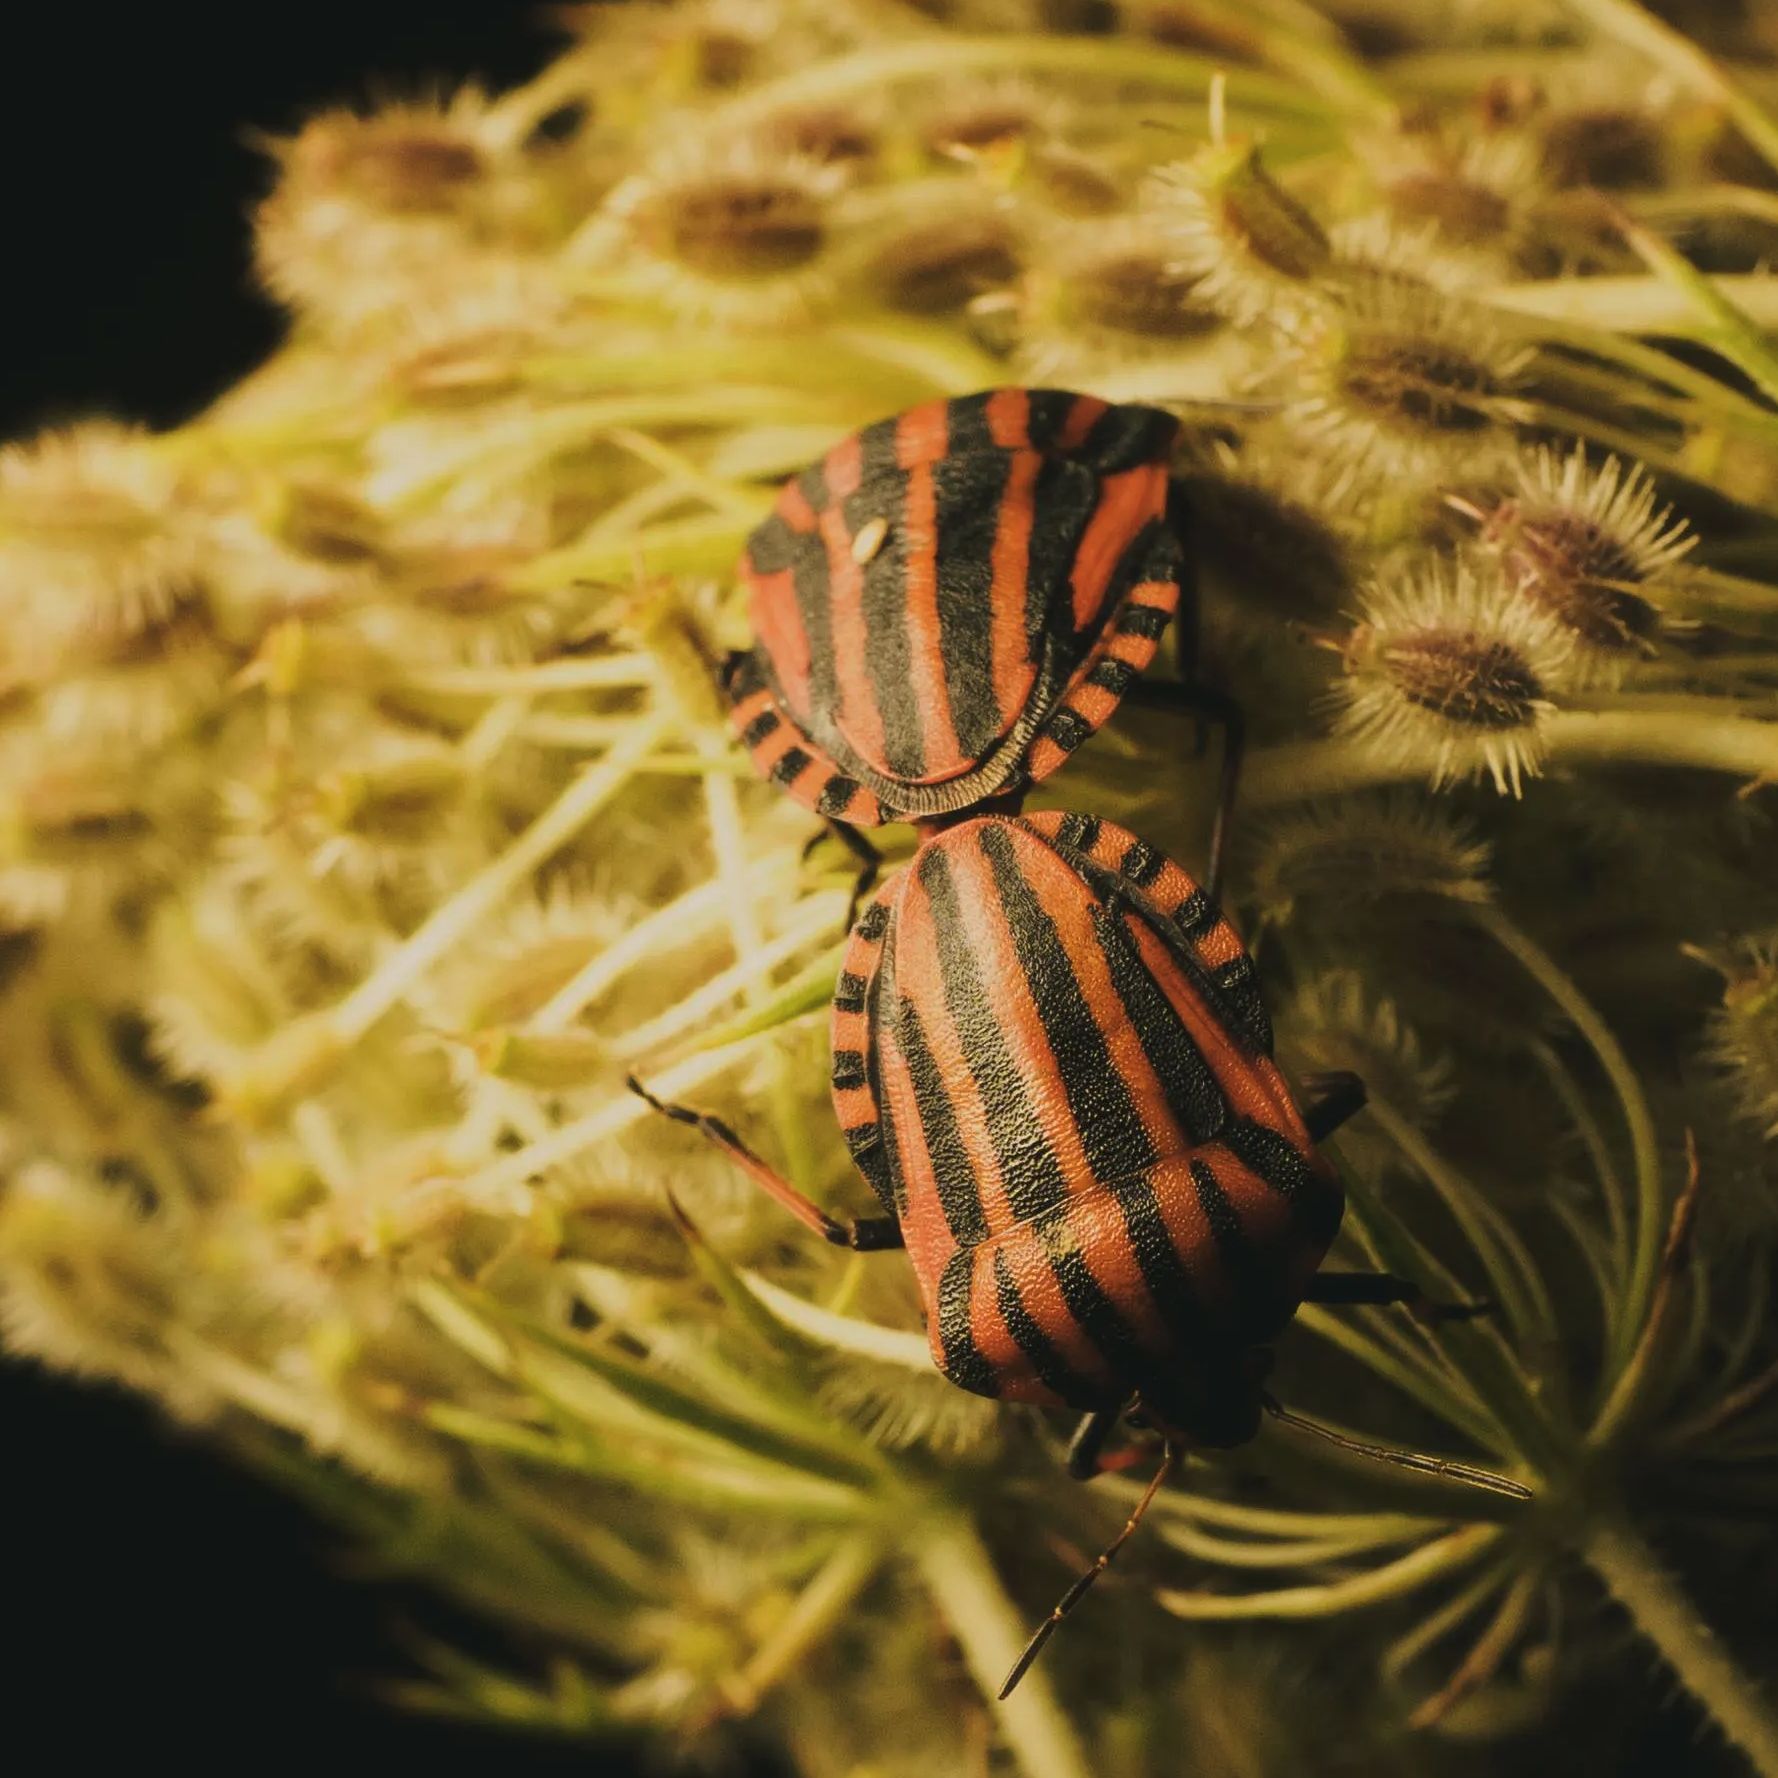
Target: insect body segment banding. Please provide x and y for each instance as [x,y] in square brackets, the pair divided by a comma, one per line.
[1103,1184]
[951,600]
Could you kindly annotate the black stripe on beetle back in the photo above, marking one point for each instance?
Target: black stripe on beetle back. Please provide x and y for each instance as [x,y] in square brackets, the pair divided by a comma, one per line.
[888,656]
[1068,729]
[1110,1128]
[743,673]
[967,491]
[876,450]
[836,795]
[954,1180]
[871,1158]
[761,728]
[1141,864]
[1196,914]
[1081,832]
[966,422]
[848,1069]
[1237,983]
[1051,1369]
[1194,1098]
[1113,676]
[1049,410]
[1285,1168]
[963,1361]
[1147,621]
[849,991]
[813,484]
[789,765]
[1029,1169]
[1065,496]
[1100,1319]
[813,584]
[1127,437]
[1170,1285]
[771,545]
[1255,1289]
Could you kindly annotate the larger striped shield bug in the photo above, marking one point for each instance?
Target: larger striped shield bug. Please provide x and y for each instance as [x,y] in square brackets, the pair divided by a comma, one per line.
[1053,1068]
[952,600]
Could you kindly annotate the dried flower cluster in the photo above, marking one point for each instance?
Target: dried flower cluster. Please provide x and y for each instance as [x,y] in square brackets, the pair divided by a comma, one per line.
[367,809]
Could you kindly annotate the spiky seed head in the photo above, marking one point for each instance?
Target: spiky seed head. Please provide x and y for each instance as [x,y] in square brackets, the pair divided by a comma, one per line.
[96,546]
[1253,249]
[1592,547]
[946,255]
[1742,1032]
[1338,1022]
[737,232]
[1343,857]
[1407,379]
[1447,673]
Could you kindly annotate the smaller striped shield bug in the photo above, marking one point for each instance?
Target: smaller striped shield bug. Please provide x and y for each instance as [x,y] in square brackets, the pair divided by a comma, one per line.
[952,600]
[1053,1068]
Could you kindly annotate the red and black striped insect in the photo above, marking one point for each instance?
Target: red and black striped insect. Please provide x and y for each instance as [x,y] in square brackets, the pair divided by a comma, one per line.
[1053,1068]
[953,599]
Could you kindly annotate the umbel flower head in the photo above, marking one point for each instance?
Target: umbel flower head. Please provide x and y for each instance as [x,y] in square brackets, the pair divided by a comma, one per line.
[369,812]
[1447,673]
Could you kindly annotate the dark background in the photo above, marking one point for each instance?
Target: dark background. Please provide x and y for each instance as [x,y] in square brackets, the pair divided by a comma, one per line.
[159,1605]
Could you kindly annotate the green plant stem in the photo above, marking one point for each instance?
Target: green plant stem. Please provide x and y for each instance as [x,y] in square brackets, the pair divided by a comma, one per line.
[1633,304]
[1636,1580]
[1650,1226]
[1739,746]
[1394,1580]
[968,1592]
[1082,59]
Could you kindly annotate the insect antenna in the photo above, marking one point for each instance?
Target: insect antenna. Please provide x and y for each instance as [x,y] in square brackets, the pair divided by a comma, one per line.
[1077,1592]
[1467,1473]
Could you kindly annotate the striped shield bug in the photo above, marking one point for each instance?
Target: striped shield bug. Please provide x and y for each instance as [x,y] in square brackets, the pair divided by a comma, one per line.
[1054,1070]
[952,600]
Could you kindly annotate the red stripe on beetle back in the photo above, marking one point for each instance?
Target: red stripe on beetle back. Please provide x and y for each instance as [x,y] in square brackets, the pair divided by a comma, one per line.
[1251,1084]
[1026,1253]
[843,467]
[1126,503]
[1086,413]
[1012,668]
[918,527]
[778,628]
[1008,414]
[857,717]
[793,508]
[925,1232]
[923,434]
[1022,1026]
[920,979]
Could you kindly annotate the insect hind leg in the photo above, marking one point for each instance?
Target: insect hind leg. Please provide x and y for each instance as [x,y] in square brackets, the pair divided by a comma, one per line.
[864,1234]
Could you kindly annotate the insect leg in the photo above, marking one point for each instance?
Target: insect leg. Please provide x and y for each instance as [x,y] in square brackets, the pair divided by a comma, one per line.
[869,859]
[1444,1467]
[1208,704]
[1337,1098]
[1089,1441]
[866,1234]
[1382,1288]
[1101,1562]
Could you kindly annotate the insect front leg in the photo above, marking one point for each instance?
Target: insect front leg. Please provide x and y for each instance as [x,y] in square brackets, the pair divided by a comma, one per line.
[869,860]
[864,1234]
